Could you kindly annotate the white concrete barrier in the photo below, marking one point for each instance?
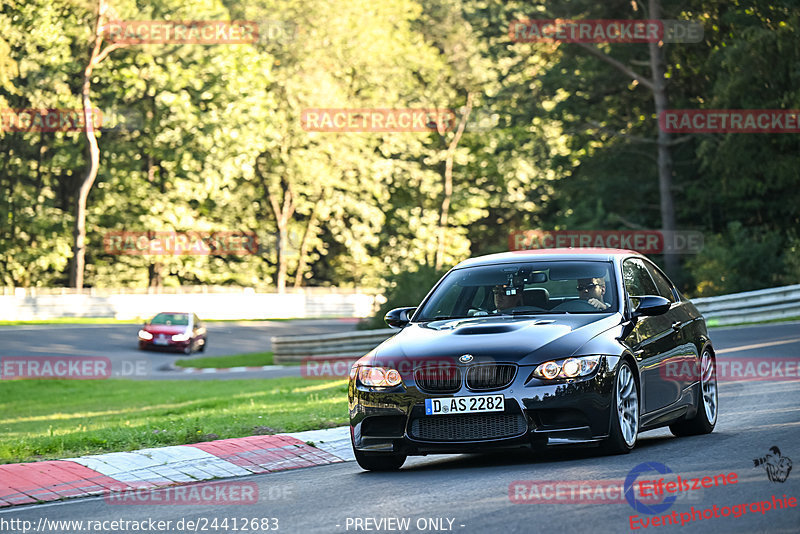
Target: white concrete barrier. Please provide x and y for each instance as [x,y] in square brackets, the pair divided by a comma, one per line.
[228,305]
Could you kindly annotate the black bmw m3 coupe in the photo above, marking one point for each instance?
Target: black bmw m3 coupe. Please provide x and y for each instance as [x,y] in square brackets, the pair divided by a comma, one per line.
[534,349]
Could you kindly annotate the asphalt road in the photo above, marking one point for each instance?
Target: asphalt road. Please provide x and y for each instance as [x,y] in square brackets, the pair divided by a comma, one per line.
[470,493]
[119,344]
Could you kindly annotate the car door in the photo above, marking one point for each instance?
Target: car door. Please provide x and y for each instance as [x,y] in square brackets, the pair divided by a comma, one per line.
[652,339]
[685,354]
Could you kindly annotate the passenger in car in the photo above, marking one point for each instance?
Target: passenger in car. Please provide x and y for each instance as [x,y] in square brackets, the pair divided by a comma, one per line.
[593,291]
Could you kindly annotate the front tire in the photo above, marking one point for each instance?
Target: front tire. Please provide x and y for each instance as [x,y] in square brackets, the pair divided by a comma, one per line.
[624,429]
[379,461]
[705,419]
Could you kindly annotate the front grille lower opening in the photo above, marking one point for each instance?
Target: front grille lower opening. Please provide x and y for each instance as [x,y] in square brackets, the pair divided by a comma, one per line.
[468,427]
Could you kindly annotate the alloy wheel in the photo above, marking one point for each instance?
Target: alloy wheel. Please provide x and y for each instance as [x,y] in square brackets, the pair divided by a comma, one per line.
[627,405]
[708,383]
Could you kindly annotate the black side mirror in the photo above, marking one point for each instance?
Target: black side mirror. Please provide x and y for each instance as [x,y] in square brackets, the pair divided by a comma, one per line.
[650,305]
[399,317]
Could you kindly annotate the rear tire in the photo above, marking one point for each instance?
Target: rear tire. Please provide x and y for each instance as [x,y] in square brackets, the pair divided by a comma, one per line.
[624,427]
[203,346]
[705,419]
[379,461]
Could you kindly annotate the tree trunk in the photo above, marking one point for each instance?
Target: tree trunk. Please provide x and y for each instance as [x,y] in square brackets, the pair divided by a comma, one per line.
[156,278]
[658,86]
[309,231]
[444,211]
[79,227]
[664,139]
[282,207]
[283,238]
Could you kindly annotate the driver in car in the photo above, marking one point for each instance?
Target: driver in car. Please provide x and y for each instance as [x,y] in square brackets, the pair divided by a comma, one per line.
[506,297]
[592,290]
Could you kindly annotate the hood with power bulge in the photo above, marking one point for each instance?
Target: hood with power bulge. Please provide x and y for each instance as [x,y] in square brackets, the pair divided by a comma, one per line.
[523,340]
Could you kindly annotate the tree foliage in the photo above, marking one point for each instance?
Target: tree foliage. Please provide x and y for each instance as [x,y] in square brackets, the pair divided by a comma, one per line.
[200,137]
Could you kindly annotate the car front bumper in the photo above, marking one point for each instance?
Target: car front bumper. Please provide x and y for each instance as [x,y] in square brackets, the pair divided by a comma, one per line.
[536,415]
[171,345]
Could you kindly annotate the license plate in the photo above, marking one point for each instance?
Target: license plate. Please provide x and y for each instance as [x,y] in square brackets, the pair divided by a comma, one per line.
[476,404]
[160,340]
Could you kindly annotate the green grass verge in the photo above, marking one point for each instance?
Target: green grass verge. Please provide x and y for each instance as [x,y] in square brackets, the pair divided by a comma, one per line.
[255,359]
[46,419]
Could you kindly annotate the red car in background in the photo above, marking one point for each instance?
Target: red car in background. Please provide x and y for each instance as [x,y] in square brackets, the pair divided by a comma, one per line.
[174,330]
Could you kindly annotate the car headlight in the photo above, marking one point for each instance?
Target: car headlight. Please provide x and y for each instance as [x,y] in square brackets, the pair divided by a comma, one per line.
[144,334]
[569,368]
[180,337]
[379,376]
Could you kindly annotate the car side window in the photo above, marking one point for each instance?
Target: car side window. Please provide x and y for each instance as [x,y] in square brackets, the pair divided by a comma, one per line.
[637,280]
[662,283]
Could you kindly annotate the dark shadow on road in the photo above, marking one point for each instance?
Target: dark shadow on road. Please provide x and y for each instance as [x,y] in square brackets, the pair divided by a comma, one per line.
[648,448]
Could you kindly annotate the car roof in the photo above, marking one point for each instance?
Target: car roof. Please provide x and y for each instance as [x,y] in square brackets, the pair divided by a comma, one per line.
[550,254]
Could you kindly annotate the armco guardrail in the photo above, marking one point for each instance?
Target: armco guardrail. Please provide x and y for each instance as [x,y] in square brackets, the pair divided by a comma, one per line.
[346,344]
[751,306]
[244,304]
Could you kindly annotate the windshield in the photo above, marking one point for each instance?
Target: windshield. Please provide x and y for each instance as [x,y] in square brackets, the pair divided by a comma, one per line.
[533,288]
[171,319]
